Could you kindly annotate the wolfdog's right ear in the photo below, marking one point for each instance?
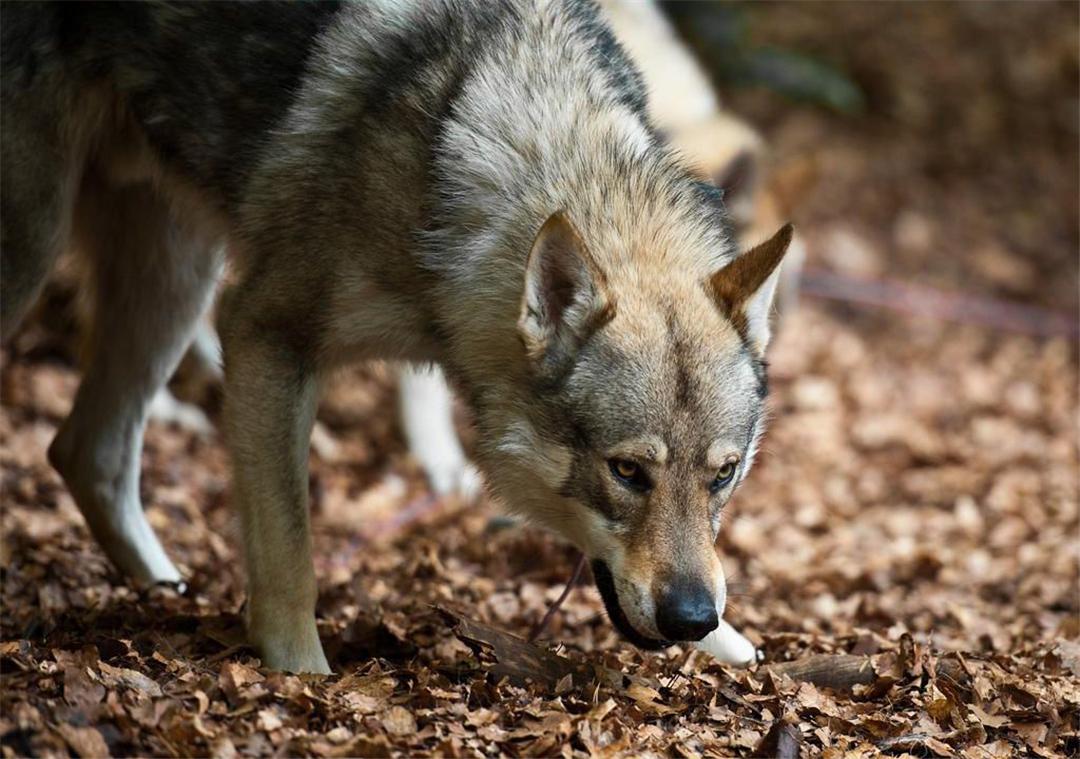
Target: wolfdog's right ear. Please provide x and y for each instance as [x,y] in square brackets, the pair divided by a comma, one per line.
[566,296]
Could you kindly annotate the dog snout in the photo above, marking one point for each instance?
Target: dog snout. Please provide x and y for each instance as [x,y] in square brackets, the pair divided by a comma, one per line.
[686,610]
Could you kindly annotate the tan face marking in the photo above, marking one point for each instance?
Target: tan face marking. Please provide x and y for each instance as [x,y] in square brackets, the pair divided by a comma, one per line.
[651,449]
[720,453]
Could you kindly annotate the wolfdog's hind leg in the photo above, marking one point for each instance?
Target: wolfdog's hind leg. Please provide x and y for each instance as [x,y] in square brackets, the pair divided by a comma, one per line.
[152,274]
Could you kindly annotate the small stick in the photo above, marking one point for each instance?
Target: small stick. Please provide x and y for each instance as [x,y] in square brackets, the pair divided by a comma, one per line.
[413,511]
[940,304]
[539,628]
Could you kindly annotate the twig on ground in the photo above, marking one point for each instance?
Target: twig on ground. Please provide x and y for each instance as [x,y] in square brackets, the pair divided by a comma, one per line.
[939,304]
[543,623]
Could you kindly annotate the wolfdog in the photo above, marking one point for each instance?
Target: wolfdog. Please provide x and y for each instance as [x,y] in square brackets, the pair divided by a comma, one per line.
[457,182]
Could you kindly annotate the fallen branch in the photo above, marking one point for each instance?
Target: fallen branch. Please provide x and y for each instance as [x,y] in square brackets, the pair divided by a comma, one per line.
[836,671]
[516,658]
[845,671]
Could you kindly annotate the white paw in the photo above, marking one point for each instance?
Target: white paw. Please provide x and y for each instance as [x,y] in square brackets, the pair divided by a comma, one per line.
[459,478]
[166,408]
[729,646]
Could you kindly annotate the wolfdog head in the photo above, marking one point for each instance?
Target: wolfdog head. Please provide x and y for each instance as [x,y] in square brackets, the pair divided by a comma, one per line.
[645,400]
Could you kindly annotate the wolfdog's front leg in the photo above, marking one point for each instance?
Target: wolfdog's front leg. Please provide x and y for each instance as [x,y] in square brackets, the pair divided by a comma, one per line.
[270,399]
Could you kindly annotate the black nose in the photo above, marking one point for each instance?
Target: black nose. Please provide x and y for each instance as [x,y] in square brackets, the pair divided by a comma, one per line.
[686,610]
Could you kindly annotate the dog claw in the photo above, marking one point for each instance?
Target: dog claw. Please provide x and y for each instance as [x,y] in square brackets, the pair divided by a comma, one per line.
[160,587]
[179,586]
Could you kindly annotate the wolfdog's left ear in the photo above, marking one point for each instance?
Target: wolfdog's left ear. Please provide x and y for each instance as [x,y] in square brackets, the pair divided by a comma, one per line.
[566,296]
[744,288]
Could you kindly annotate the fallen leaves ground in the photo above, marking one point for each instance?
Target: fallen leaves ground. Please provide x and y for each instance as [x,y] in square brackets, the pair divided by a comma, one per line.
[905,552]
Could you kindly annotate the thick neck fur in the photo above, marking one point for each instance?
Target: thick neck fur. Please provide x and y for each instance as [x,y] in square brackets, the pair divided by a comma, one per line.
[539,126]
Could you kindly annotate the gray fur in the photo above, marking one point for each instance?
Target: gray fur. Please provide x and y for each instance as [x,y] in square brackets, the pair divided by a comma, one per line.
[380,173]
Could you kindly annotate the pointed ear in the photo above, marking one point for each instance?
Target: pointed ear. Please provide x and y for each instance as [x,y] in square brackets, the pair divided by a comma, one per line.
[566,296]
[744,288]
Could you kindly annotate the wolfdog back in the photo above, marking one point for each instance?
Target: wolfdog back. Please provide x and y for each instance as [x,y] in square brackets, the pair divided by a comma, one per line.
[207,82]
[219,103]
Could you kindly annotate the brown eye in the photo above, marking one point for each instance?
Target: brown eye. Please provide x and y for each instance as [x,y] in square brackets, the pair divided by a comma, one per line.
[629,474]
[724,476]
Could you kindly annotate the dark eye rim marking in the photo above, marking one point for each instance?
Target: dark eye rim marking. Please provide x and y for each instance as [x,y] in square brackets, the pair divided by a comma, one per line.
[638,481]
[723,476]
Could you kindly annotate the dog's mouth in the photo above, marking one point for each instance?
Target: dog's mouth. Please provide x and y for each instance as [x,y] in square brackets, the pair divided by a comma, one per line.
[605,583]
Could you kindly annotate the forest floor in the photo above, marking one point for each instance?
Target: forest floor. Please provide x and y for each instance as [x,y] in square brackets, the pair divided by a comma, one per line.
[905,552]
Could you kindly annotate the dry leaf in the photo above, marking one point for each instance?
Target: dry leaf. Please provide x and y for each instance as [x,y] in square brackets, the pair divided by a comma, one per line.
[399,721]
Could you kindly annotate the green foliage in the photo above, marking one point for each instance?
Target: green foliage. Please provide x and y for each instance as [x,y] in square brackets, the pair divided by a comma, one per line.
[799,77]
[721,36]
